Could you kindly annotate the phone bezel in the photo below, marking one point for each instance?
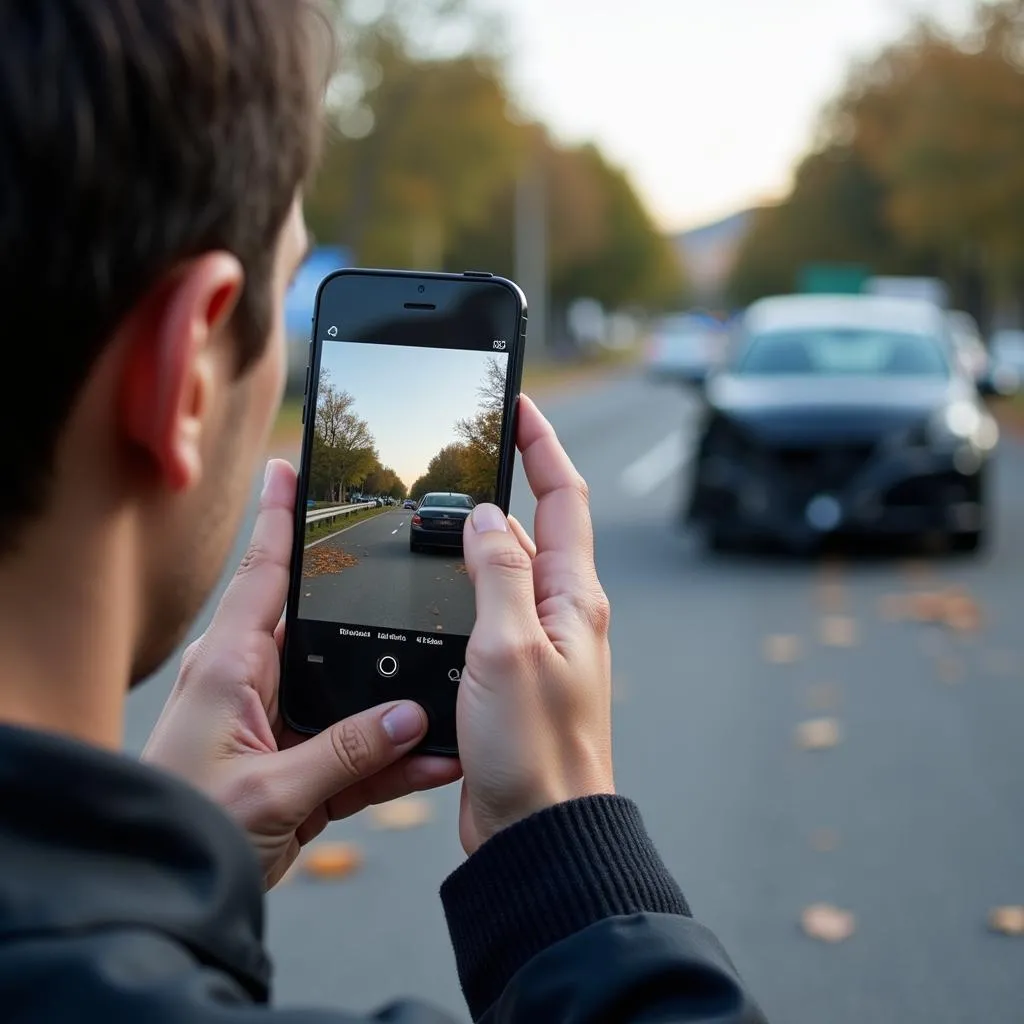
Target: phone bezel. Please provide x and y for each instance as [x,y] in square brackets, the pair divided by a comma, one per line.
[399,317]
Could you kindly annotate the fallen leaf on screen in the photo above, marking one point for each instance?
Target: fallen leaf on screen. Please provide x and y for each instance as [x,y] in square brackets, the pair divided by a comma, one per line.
[818,734]
[332,860]
[439,628]
[824,696]
[782,649]
[824,840]
[826,923]
[408,812]
[838,631]
[324,561]
[461,568]
[1007,920]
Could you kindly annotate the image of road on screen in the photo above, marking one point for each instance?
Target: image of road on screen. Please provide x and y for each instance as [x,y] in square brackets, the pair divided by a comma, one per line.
[406,442]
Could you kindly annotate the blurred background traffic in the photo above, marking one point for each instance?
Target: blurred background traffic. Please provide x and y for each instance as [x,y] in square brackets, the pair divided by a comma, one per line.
[774,255]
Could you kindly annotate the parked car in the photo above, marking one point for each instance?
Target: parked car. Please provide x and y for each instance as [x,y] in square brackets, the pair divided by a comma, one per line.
[681,345]
[842,413]
[439,521]
[1006,352]
[969,346]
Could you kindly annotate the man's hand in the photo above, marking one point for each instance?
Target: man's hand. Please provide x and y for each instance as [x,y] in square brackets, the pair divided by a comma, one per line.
[222,732]
[534,712]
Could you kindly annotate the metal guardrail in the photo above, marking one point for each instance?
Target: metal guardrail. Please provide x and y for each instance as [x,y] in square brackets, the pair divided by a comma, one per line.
[318,515]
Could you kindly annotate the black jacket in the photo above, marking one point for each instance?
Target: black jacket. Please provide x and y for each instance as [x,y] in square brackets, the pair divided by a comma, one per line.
[125,896]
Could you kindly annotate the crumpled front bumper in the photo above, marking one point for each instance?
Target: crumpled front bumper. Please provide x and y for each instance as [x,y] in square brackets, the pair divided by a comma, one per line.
[898,492]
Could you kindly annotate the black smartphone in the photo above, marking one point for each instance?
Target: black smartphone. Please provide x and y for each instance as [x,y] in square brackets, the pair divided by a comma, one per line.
[409,422]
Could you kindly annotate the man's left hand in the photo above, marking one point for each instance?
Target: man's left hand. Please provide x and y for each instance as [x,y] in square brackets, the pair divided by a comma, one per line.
[222,731]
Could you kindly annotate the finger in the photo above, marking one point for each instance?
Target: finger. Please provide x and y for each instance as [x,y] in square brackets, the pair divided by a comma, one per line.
[350,751]
[565,577]
[411,775]
[502,575]
[256,595]
[522,536]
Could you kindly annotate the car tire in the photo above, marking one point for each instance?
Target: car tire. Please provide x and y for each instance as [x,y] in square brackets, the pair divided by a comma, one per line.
[723,540]
[415,548]
[969,542]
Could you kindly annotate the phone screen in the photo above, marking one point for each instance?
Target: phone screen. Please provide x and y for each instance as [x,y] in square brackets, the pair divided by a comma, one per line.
[405,436]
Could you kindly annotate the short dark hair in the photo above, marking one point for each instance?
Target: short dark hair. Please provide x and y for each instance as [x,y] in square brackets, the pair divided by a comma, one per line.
[135,134]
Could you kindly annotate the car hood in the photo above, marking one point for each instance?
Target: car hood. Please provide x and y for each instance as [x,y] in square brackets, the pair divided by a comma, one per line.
[798,409]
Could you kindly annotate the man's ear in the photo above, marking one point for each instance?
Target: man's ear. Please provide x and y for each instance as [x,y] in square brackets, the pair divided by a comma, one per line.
[176,350]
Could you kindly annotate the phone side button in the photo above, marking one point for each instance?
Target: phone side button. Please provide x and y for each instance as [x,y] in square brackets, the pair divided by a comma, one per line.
[303,412]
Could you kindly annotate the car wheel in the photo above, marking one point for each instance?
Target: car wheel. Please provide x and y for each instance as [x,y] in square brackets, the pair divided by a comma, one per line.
[969,542]
[723,539]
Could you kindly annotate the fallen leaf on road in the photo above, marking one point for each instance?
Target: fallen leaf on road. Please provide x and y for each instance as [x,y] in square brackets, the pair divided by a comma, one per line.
[838,631]
[831,589]
[1007,920]
[824,696]
[999,663]
[826,923]
[824,840]
[462,569]
[818,734]
[962,612]
[324,561]
[408,812]
[953,607]
[782,649]
[951,670]
[439,628]
[332,860]
[896,607]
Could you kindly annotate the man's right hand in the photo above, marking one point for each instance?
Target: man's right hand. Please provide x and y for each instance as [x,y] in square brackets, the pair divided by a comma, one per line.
[534,711]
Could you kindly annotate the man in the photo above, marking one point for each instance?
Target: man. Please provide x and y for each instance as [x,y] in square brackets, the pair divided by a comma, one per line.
[152,154]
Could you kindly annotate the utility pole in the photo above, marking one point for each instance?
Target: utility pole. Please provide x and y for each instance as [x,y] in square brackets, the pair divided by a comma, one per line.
[532,254]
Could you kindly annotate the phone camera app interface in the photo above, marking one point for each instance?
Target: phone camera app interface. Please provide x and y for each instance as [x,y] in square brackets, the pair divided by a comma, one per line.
[406,442]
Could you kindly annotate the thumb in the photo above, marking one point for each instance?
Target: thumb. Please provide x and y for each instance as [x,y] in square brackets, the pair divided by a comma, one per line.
[502,574]
[350,751]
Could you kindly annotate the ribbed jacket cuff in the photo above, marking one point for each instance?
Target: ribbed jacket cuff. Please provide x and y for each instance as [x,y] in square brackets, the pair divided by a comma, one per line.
[546,878]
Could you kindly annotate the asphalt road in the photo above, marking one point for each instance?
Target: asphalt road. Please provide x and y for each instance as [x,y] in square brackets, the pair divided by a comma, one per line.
[923,796]
[389,585]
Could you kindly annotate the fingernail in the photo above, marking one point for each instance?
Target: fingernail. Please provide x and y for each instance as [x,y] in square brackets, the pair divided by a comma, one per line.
[266,476]
[489,519]
[403,723]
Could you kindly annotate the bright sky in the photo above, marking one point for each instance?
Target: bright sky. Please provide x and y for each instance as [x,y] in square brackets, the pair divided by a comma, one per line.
[411,398]
[708,104]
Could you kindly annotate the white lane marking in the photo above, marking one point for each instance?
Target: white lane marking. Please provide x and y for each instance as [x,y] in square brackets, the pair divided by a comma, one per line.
[650,471]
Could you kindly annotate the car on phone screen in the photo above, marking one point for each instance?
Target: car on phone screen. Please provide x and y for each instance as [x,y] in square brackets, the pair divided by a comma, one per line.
[844,414]
[409,504]
[439,520]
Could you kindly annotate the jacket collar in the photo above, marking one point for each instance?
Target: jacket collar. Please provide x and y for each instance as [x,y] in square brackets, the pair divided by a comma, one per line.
[94,840]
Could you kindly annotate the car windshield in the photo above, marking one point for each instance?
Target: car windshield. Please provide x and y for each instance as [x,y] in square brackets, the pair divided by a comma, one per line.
[448,501]
[843,351]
